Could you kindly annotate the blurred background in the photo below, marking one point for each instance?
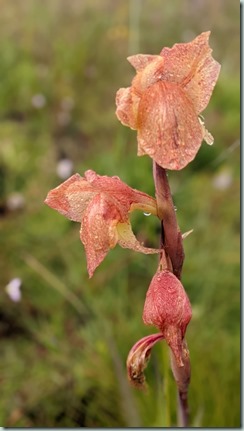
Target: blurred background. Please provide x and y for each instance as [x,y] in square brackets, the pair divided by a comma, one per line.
[65,338]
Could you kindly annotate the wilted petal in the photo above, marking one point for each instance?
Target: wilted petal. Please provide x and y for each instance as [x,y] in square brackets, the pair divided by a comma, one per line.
[71,197]
[168,127]
[138,358]
[168,308]
[193,67]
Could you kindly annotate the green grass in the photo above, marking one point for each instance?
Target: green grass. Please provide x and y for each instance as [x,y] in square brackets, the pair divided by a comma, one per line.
[64,345]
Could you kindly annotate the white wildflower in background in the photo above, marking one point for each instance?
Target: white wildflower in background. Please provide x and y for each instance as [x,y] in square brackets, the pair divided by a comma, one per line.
[13,289]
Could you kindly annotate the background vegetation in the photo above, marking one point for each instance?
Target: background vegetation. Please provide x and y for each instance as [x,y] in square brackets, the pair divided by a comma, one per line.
[64,344]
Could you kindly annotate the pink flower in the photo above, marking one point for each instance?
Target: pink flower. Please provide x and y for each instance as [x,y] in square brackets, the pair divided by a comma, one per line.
[165,99]
[102,205]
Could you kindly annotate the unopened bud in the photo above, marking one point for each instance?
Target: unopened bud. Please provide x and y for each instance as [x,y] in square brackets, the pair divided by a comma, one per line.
[167,306]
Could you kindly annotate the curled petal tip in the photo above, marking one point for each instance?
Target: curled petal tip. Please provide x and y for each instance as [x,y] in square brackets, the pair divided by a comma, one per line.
[138,358]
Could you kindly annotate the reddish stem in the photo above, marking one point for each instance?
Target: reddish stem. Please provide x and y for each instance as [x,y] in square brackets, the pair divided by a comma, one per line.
[171,238]
[173,253]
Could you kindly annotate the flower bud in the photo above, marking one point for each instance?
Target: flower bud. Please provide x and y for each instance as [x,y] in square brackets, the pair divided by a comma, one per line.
[167,307]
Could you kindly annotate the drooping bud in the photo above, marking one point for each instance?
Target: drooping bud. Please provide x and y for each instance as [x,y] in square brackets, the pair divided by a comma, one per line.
[138,358]
[167,307]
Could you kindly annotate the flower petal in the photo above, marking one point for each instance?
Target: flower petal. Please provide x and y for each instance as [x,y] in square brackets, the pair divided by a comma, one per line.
[140,61]
[127,104]
[168,127]
[98,232]
[168,308]
[193,67]
[71,197]
[125,197]
[127,239]
[138,358]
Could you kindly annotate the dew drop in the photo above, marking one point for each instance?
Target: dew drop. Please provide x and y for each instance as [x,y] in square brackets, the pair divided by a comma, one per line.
[175,208]
[147,214]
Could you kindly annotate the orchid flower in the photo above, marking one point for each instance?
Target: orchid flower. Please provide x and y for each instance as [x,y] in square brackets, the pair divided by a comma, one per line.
[102,205]
[166,98]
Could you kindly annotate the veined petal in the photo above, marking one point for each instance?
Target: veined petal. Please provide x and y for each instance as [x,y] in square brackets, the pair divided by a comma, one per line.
[168,127]
[138,358]
[192,66]
[98,232]
[127,239]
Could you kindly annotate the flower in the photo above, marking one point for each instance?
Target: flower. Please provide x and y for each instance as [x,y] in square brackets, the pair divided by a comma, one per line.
[102,205]
[165,100]
[167,306]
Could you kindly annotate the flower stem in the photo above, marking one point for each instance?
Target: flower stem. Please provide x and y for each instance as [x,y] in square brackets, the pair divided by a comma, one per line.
[173,257]
[166,387]
[171,238]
